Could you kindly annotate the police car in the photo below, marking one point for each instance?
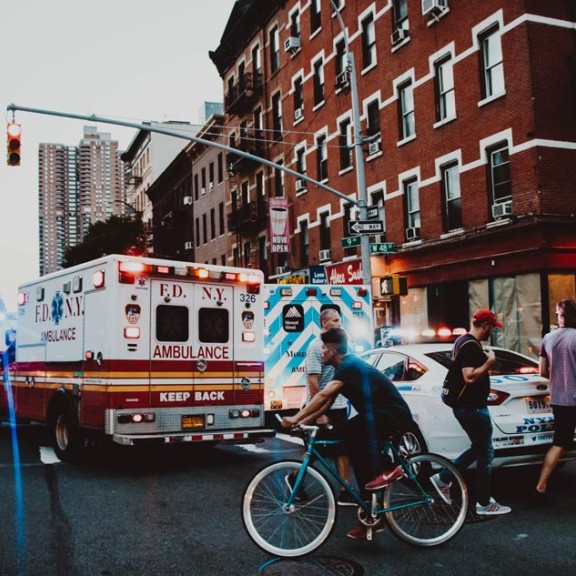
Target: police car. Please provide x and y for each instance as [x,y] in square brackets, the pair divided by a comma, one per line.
[519,402]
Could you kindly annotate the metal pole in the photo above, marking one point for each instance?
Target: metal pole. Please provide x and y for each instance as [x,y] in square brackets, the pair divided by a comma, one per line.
[359,153]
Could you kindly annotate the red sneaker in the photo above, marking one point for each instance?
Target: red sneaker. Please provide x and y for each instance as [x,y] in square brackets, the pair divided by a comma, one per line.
[387,477]
[360,532]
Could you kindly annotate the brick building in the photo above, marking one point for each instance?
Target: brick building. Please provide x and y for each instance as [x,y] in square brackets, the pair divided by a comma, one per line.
[469,124]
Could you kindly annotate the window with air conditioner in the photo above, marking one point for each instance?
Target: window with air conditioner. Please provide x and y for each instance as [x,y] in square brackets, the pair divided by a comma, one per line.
[373,147]
[501,210]
[298,113]
[399,35]
[292,44]
[300,185]
[434,6]
[187,200]
[412,233]
[187,245]
[324,255]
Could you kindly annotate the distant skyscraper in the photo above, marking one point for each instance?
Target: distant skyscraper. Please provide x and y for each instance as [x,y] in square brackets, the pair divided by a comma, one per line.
[78,186]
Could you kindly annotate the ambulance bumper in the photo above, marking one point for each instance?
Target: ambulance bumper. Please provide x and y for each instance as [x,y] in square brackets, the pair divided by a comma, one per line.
[231,436]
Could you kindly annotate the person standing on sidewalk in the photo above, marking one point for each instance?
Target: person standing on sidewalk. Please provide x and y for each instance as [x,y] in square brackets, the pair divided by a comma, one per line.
[318,375]
[558,363]
[471,410]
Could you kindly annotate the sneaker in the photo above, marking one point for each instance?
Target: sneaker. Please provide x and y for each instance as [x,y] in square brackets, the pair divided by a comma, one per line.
[289,480]
[443,488]
[346,499]
[360,532]
[387,477]
[492,509]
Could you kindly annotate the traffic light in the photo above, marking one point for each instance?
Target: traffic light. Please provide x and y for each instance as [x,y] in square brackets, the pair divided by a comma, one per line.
[13,134]
[393,285]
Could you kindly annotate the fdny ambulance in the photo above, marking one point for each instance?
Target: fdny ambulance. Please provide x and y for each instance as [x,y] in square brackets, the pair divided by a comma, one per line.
[141,350]
[292,322]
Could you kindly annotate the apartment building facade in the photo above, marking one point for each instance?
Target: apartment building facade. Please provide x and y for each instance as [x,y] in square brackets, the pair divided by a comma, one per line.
[78,186]
[468,119]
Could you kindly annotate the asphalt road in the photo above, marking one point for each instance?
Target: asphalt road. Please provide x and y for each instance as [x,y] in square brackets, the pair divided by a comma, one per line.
[177,512]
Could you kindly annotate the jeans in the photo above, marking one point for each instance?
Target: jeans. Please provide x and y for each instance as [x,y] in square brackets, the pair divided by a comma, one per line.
[477,423]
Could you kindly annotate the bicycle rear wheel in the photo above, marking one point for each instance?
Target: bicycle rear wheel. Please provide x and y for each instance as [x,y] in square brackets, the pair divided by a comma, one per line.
[438,519]
[282,530]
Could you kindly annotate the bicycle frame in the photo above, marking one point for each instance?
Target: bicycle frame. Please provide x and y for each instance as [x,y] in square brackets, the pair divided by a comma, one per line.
[373,509]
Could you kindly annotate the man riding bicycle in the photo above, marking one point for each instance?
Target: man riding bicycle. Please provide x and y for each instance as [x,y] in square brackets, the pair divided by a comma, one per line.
[381,411]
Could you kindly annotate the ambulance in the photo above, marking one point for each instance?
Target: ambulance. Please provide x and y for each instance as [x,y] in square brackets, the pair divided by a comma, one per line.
[140,350]
[292,322]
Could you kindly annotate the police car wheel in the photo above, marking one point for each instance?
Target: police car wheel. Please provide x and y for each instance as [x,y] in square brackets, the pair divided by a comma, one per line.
[412,443]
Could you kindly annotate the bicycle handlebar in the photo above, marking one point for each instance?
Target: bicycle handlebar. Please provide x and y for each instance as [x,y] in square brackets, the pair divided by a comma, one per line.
[304,427]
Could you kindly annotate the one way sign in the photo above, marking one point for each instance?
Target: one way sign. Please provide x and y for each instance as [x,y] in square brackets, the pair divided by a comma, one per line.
[366,227]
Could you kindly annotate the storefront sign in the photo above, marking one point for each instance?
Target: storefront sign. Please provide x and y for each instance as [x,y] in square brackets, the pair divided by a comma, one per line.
[345,273]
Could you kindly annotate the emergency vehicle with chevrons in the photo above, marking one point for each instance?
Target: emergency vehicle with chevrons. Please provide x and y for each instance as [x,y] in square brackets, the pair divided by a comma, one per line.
[141,350]
[292,322]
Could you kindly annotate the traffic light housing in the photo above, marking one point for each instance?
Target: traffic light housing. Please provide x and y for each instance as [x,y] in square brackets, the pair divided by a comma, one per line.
[13,143]
[393,285]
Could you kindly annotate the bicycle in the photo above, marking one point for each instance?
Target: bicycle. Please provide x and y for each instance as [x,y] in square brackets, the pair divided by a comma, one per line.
[289,508]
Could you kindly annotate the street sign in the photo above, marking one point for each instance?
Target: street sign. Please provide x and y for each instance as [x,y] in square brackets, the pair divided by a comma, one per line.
[373,212]
[382,248]
[366,227]
[351,241]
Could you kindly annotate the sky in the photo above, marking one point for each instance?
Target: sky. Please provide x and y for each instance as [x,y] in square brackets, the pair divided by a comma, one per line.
[131,60]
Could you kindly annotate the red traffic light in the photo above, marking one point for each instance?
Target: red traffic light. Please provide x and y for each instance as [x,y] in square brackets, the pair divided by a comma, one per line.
[13,135]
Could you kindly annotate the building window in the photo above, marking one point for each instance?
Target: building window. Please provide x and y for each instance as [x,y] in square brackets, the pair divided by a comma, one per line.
[304,244]
[204,228]
[247,250]
[345,142]
[295,24]
[277,116]
[341,65]
[221,218]
[499,176]
[274,50]
[197,235]
[373,120]
[301,160]
[406,110]
[321,158]
[399,15]
[325,240]
[451,199]
[203,180]
[256,60]
[298,98]
[220,168]
[211,175]
[278,180]
[444,88]
[315,16]
[260,194]
[377,199]
[368,42]
[491,63]
[318,82]
[412,197]
[196,187]
[212,223]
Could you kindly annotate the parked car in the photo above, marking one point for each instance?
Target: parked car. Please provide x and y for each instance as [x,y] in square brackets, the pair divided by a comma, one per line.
[519,402]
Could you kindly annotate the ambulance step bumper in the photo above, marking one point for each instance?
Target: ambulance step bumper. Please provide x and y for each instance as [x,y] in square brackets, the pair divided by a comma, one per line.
[232,436]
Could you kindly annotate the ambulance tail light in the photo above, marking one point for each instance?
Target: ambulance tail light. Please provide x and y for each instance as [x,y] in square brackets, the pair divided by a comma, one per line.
[244,413]
[22,298]
[136,418]
[132,332]
[248,336]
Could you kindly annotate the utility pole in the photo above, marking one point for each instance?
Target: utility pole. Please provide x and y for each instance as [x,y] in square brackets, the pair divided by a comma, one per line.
[358,150]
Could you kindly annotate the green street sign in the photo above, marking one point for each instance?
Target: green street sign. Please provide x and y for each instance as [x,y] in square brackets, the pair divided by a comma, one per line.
[351,241]
[382,248]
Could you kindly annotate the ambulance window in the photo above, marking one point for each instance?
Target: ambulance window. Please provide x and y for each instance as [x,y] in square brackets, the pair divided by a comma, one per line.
[172,324]
[213,325]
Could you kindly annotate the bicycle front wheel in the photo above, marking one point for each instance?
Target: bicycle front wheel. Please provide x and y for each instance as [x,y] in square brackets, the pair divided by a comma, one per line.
[283,530]
[440,515]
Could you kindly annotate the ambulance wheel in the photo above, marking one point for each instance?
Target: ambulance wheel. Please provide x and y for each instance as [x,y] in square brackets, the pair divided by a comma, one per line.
[67,438]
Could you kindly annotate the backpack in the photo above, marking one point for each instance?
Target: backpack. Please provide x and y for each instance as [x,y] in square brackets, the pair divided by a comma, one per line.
[454,384]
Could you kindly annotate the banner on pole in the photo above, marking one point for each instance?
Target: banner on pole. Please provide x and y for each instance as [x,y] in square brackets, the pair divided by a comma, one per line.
[279,224]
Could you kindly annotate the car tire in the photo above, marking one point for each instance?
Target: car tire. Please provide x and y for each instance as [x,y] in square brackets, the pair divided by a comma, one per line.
[66,436]
[412,442]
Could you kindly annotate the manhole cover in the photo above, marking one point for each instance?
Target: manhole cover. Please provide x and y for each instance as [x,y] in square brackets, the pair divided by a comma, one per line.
[313,566]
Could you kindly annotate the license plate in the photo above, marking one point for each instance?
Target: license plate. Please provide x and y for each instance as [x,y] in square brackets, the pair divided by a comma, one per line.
[538,405]
[192,422]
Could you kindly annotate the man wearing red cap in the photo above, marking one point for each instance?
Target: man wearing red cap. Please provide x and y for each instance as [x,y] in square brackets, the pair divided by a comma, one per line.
[471,409]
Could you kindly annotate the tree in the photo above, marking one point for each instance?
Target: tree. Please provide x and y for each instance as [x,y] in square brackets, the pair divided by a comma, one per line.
[117,235]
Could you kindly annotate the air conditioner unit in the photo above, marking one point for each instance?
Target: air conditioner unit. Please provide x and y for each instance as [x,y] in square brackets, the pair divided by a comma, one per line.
[432,6]
[300,185]
[298,113]
[399,35]
[187,200]
[292,44]
[373,147]
[501,210]
[280,269]
[324,255]
[343,80]
[187,245]
[412,233]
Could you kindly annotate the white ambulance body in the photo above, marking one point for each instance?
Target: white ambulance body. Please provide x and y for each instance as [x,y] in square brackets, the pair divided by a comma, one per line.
[292,322]
[141,350]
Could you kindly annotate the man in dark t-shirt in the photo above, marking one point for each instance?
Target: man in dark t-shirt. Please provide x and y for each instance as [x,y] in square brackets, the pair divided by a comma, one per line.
[471,410]
[380,408]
